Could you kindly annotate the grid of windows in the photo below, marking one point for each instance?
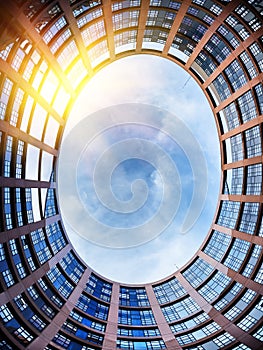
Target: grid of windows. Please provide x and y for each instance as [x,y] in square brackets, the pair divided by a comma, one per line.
[8,155]
[67,343]
[229,36]
[206,63]
[217,48]
[202,15]
[26,245]
[237,148]
[98,53]
[241,305]
[217,245]
[237,254]
[80,9]
[55,28]
[40,303]
[93,32]
[19,159]
[238,27]
[142,345]
[249,218]
[169,291]
[259,96]
[160,18]
[125,19]
[18,59]
[198,272]
[180,309]
[199,334]
[4,97]
[229,296]
[136,317]
[257,53]
[55,237]
[40,246]
[4,53]
[249,17]
[192,322]
[72,266]
[29,209]
[34,246]
[51,207]
[5,268]
[247,106]
[253,142]
[90,16]
[230,115]
[252,318]
[125,38]
[221,87]
[218,342]
[28,313]
[10,322]
[86,321]
[234,181]
[119,5]
[215,286]
[91,337]
[254,258]
[254,179]
[99,288]
[92,307]
[133,297]
[247,61]
[235,75]
[19,264]
[68,54]
[228,214]
[16,107]
[154,332]
[60,282]
[60,41]
[7,209]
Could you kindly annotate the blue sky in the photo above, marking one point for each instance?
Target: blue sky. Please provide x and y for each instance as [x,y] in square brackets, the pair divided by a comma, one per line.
[159,83]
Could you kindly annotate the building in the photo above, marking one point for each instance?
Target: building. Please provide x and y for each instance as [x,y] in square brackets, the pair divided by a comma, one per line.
[49,298]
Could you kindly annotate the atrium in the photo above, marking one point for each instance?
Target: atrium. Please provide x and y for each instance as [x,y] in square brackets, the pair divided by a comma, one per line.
[49,297]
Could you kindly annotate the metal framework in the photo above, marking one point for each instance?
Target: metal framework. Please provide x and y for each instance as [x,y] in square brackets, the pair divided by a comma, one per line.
[49,298]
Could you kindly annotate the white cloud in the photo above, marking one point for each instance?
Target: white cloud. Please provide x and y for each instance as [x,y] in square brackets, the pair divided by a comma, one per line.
[153,81]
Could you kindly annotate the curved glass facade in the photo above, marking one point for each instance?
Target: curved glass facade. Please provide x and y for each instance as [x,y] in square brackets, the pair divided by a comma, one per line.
[49,299]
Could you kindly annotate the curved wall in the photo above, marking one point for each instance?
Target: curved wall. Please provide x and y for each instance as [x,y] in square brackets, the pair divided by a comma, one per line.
[49,298]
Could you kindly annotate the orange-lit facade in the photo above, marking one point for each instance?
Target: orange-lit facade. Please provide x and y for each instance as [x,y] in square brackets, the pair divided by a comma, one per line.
[49,298]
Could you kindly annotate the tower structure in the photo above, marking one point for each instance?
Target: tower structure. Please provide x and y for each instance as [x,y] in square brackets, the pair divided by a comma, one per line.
[49,298]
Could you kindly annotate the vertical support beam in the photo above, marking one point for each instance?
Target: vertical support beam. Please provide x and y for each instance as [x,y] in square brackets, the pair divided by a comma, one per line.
[235,95]
[176,25]
[221,320]
[110,338]
[20,287]
[24,85]
[65,6]
[23,136]
[166,333]
[233,55]
[106,6]
[247,282]
[24,230]
[142,24]
[51,330]
[212,29]
[28,30]
[238,234]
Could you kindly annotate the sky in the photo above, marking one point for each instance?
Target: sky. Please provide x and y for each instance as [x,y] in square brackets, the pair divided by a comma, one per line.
[144,141]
